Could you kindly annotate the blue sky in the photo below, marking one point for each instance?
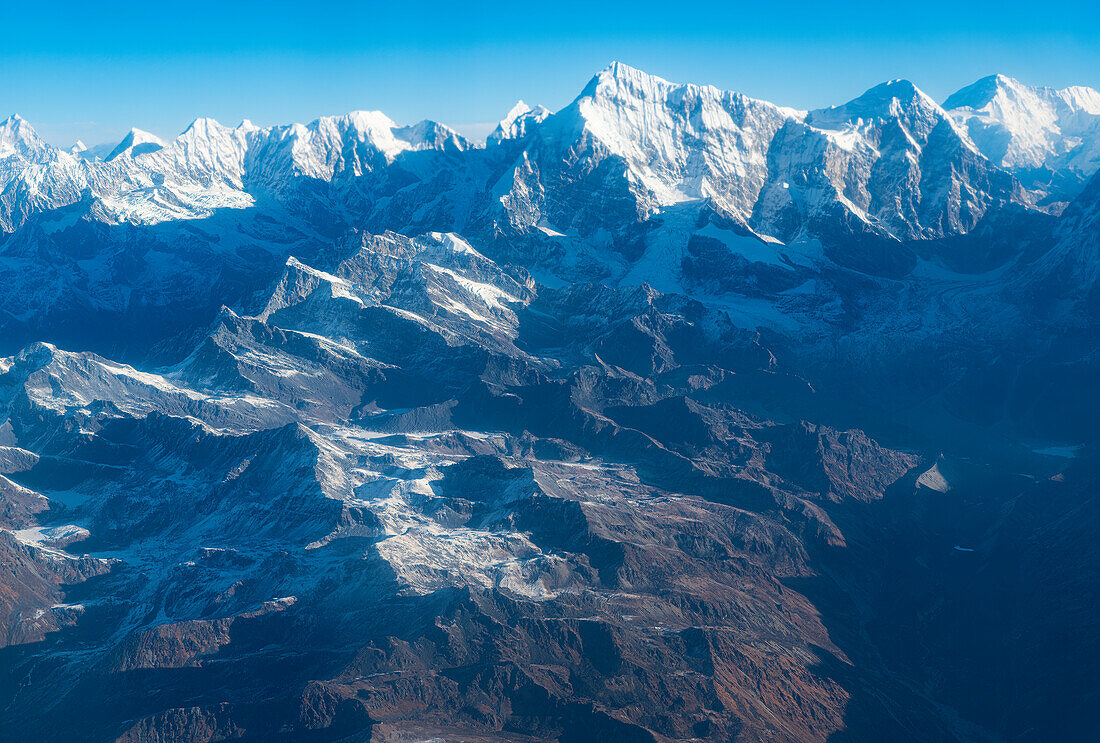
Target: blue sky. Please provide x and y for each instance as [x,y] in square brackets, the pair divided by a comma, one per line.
[90,70]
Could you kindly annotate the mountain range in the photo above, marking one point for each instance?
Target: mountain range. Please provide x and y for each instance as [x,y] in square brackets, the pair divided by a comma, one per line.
[670,415]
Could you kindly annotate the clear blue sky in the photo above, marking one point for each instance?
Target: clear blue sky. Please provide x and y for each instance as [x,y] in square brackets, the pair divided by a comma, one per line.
[90,70]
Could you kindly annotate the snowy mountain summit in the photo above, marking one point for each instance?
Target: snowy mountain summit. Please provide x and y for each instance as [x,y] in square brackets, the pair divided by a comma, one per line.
[677,142]
[1048,137]
[671,415]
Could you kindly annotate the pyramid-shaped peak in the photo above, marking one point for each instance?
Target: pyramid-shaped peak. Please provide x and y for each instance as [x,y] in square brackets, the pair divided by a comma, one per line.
[204,126]
[17,137]
[515,122]
[618,79]
[893,99]
[428,134]
[900,89]
[621,81]
[516,111]
[981,92]
[136,142]
[1004,91]
[365,121]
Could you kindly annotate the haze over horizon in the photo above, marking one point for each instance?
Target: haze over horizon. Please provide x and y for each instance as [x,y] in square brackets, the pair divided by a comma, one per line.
[93,77]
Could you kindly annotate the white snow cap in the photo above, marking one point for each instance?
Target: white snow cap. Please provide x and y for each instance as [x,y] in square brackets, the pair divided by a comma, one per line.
[515,122]
[17,137]
[136,142]
[1023,126]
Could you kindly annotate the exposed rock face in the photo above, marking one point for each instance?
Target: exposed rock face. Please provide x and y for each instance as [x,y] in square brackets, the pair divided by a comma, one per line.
[673,415]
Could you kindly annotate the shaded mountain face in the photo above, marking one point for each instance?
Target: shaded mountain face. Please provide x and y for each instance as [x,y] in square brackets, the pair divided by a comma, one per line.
[672,415]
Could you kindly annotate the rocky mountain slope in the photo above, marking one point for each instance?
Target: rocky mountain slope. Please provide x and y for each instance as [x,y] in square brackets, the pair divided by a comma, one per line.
[671,415]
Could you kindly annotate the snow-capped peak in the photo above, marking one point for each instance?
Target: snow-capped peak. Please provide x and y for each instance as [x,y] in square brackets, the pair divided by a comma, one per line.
[206,152]
[1020,126]
[324,135]
[430,135]
[624,73]
[17,137]
[521,108]
[981,92]
[365,121]
[203,126]
[680,142]
[661,143]
[897,99]
[620,79]
[515,122]
[136,143]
